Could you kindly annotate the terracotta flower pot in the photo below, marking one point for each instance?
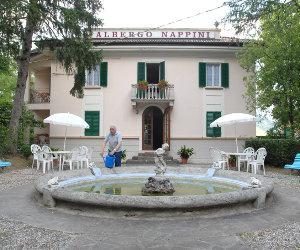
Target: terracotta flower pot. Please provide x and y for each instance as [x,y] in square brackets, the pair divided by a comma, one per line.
[184,160]
[232,164]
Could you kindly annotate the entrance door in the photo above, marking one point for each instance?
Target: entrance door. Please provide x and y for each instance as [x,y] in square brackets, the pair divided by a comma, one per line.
[152,128]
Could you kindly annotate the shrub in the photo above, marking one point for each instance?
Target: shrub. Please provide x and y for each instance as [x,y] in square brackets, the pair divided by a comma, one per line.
[280,151]
[3,140]
[25,131]
[24,150]
[5,112]
[123,155]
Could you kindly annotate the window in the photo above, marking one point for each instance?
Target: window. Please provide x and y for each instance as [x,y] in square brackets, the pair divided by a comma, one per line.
[210,117]
[92,78]
[151,72]
[213,75]
[92,118]
[98,76]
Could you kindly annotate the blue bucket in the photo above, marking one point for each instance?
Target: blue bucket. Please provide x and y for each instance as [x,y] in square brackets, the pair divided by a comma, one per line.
[109,161]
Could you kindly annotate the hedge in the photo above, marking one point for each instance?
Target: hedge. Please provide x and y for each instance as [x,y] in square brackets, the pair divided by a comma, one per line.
[27,120]
[280,151]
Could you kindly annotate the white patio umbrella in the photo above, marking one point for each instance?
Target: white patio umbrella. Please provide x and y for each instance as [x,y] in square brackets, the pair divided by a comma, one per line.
[233,119]
[67,120]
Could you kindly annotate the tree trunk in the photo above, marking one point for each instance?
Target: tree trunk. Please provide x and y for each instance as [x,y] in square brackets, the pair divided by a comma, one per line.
[291,118]
[23,65]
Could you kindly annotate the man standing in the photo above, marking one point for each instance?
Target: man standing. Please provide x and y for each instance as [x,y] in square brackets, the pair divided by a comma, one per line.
[114,142]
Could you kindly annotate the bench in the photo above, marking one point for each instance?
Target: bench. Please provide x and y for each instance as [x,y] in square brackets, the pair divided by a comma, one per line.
[4,164]
[295,165]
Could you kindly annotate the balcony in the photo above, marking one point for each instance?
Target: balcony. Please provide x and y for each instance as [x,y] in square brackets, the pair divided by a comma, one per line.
[39,100]
[152,95]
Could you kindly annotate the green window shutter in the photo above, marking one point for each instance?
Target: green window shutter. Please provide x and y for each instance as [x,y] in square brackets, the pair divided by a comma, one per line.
[225,75]
[209,120]
[162,71]
[217,130]
[210,117]
[141,71]
[103,74]
[202,74]
[92,118]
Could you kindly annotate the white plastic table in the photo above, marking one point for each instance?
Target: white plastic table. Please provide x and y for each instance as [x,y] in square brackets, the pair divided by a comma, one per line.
[237,160]
[60,155]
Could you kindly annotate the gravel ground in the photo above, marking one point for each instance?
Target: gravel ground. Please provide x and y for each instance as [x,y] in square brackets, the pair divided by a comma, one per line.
[18,235]
[286,236]
[14,234]
[284,179]
[14,178]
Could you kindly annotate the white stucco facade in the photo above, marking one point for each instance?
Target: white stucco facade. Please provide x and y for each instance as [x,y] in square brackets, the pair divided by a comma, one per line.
[187,116]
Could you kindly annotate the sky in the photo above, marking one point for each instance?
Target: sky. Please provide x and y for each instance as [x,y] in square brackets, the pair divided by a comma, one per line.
[154,13]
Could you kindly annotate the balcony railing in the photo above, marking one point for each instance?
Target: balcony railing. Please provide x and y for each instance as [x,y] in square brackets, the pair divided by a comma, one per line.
[153,93]
[39,97]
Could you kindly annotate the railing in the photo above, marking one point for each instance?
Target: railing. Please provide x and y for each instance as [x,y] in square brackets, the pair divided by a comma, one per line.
[152,92]
[39,97]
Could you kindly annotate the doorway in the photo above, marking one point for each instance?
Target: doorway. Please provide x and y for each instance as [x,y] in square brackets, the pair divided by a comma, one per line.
[152,128]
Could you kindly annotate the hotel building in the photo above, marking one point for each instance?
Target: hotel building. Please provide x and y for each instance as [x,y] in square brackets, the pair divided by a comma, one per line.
[204,79]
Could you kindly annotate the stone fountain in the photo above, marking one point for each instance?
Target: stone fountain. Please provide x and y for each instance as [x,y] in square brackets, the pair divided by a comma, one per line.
[159,184]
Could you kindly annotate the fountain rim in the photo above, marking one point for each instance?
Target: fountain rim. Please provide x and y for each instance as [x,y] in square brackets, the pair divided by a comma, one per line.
[256,195]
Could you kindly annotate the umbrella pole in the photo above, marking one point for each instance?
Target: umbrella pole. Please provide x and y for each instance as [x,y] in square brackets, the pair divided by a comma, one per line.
[236,142]
[65,138]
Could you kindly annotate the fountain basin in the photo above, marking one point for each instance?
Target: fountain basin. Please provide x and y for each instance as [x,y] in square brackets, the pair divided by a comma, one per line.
[70,181]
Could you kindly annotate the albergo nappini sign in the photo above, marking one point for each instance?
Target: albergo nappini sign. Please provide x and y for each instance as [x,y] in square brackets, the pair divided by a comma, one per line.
[100,34]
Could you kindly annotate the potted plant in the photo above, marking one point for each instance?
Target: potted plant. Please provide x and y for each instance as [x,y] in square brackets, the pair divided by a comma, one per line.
[143,85]
[162,84]
[123,156]
[232,161]
[185,153]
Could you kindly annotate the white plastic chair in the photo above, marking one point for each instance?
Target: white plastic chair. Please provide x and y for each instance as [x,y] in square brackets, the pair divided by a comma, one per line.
[72,158]
[34,150]
[48,150]
[46,160]
[245,159]
[259,160]
[85,155]
[220,159]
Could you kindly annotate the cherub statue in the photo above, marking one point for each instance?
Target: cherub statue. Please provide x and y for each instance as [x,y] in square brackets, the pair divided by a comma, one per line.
[161,166]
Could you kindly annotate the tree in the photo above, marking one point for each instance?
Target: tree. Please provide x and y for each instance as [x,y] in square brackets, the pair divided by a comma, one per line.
[245,15]
[8,78]
[63,26]
[272,59]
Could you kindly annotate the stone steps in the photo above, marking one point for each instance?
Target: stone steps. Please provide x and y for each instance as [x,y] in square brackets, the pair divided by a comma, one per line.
[147,153]
[148,158]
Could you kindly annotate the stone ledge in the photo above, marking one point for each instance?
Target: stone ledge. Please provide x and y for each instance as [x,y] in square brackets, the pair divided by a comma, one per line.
[256,196]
